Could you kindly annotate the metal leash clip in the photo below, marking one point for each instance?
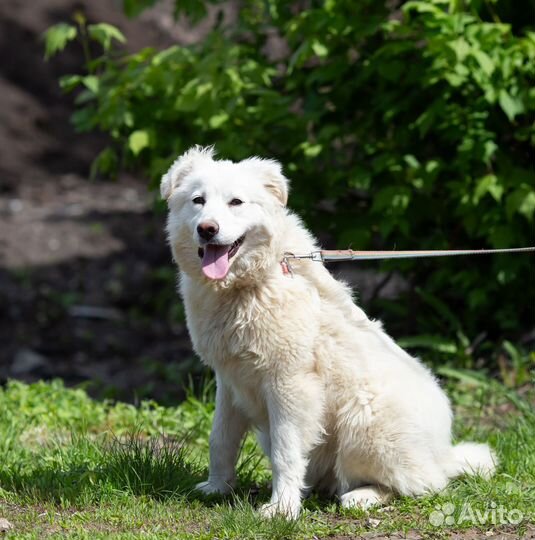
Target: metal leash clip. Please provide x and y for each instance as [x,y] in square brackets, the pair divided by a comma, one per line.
[316,256]
[285,264]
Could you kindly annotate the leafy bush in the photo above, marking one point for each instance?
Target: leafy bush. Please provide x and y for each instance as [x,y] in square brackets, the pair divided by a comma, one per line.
[402,126]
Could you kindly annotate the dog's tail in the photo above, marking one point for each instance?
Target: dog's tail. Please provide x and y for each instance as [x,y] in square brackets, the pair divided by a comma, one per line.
[474,459]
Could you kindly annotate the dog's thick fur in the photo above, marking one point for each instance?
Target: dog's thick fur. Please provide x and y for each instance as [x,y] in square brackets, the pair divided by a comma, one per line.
[335,403]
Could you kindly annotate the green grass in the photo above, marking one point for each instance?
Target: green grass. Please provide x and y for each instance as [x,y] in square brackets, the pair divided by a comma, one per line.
[72,466]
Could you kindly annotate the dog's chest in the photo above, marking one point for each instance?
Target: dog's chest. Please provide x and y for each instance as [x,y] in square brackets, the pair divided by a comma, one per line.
[231,335]
[254,327]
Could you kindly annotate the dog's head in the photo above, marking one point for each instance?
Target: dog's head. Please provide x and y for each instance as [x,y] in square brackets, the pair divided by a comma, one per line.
[223,215]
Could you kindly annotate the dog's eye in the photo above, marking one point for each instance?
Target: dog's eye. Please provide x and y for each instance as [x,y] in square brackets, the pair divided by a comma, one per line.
[235,202]
[199,200]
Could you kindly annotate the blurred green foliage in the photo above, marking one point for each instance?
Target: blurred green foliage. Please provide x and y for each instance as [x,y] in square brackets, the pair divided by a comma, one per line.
[407,125]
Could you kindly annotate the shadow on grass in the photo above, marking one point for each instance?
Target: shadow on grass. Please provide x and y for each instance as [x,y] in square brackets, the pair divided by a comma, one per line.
[86,471]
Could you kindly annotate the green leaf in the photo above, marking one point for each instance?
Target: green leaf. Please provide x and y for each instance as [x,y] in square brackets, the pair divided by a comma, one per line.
[70,82]
[319,49]
[360,177]
[423,7]
[490,148]
[311,150]
[522,201]
[472,378]
[511,106]
[217,120]
[84,119]
[105,163]
[411,161]
[455,79]
[105,33]
[57,37]
[391,197]
[527,207]
[133,8]
[484,60]
[488,184]
[460,47]
[435,343]
[91,82]
[138,140]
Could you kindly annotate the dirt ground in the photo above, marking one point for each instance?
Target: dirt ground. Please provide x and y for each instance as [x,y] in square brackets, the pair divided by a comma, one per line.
[83,264]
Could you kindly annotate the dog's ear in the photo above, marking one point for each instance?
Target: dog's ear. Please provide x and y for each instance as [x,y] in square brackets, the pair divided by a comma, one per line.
[182,166]
[271,173]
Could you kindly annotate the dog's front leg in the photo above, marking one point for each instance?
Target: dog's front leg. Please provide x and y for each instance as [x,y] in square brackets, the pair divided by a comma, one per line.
[294,418]
[227,432]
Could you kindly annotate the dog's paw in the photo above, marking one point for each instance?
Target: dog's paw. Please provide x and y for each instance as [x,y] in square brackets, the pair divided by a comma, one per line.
[213,488]
[286,510]
[365,497]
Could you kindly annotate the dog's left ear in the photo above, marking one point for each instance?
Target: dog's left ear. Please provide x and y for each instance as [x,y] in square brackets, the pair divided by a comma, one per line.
[274,181]
[182,166]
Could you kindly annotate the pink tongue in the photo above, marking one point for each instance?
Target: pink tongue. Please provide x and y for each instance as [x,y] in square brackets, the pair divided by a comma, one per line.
[215,264]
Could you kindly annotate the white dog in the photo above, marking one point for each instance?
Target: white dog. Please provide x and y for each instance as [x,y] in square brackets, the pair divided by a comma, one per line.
[335,403]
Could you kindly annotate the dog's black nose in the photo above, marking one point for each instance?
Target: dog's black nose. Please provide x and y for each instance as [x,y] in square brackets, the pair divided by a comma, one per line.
[207,229]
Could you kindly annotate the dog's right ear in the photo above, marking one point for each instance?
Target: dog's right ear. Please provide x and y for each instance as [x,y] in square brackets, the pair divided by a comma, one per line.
[182,166]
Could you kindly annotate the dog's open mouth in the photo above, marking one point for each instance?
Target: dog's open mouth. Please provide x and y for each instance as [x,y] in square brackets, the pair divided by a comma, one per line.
[216,258]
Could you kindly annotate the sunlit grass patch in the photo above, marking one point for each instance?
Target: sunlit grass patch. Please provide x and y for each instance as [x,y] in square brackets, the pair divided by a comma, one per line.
[87,469]
[157,467]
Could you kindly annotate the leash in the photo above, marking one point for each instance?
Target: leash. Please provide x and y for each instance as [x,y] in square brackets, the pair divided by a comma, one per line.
[339,255]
